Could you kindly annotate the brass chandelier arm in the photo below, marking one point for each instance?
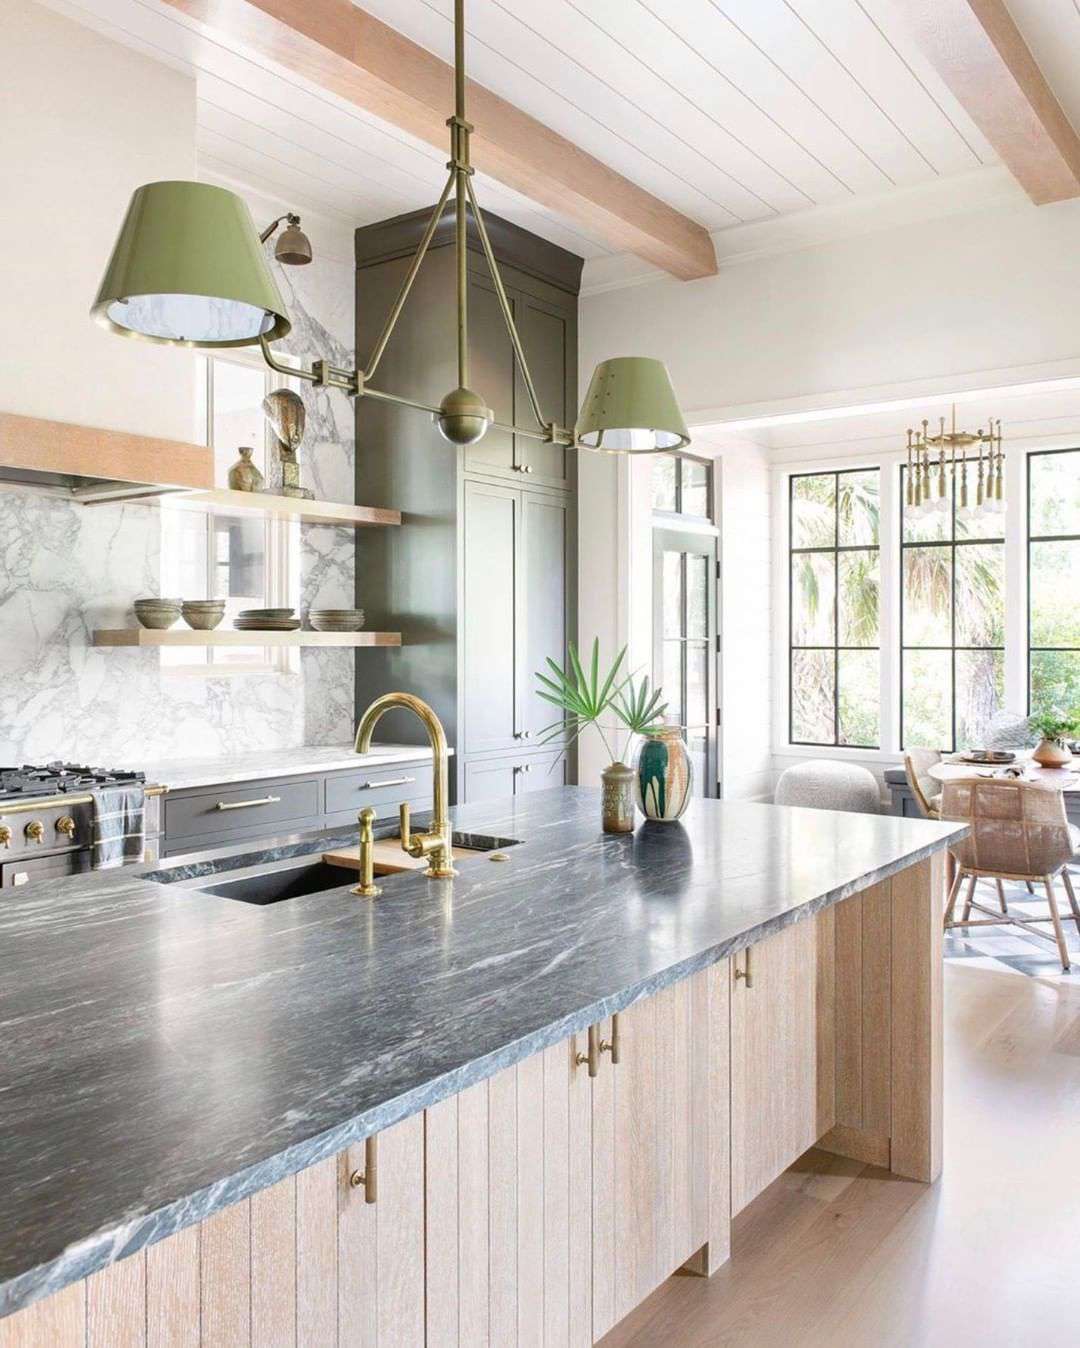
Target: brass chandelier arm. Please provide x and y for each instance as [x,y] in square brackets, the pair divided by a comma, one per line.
[407,284]
[504,305]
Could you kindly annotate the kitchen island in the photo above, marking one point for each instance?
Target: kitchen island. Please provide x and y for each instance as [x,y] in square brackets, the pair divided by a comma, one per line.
[496,1108]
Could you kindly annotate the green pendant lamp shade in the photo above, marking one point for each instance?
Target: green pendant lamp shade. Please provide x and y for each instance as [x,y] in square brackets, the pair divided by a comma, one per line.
[631,408]
[188,269]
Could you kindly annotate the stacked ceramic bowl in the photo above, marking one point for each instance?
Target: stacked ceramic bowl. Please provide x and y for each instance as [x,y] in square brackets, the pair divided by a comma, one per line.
[203,614]
[336,619]
[266,620]
[157,614]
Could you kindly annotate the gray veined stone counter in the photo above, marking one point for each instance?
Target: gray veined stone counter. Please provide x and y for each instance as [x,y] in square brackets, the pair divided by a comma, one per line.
[165,1052]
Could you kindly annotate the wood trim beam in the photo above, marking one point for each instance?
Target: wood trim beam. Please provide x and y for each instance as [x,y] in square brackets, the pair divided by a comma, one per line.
[978,50]
[354,55]
[32,444]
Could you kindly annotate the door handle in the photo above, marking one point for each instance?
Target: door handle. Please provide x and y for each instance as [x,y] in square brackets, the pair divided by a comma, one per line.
[612,1047]
[246,804]
[389,781]
[368,1178]
[744,972]
[590,1059]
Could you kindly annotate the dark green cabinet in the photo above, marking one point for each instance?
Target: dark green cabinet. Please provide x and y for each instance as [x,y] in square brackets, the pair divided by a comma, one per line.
[481,578]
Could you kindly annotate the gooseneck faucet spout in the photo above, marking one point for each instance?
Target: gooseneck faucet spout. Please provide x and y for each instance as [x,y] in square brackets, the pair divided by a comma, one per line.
[435,845]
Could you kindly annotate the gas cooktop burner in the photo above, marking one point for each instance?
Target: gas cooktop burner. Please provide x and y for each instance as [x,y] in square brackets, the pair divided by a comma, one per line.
[55,779]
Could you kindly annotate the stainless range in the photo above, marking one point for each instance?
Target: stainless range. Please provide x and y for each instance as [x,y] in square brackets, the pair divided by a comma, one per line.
[46,819]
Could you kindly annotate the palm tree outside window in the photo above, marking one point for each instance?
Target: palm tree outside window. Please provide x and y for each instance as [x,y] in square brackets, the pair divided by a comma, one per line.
[834,632]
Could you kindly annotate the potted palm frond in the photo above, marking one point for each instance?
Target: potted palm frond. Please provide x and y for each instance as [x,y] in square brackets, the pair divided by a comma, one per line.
[584,696]
[1054,727]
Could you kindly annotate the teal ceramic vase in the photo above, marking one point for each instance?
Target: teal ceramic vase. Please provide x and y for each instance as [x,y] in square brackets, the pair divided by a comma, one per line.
[663,775]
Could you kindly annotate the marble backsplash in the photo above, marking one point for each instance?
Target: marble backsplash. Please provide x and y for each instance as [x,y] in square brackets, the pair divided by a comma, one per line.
[66,569]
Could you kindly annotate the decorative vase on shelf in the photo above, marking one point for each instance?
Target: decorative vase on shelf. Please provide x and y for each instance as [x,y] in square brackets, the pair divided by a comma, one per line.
[1052,754]
[663,775]
[243,475]
[617,798]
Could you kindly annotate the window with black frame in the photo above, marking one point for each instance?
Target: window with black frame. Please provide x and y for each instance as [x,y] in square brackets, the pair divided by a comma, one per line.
[952,623]
[834,623]
[1054,580]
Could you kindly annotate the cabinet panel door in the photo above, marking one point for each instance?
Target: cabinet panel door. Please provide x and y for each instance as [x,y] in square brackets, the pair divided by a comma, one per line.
[490,617]
[489,779]
[508,1216]
[659,1149]
[547,339]
[544,570]
[782,1064]
[491,373]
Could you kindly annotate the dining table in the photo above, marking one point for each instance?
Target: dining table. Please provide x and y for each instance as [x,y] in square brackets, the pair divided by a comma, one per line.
[1066,779]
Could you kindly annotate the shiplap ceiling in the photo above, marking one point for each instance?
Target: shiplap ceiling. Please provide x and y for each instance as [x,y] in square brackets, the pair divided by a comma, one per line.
[732,111]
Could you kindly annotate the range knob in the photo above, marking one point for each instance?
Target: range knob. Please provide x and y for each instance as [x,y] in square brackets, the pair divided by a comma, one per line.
[5,835]
[66,825]
[35,831]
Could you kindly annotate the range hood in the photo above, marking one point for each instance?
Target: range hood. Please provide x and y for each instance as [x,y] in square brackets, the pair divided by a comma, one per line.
[91,464]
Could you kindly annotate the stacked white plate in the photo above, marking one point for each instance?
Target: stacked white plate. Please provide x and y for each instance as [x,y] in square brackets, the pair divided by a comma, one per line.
[266,620]
[336,619]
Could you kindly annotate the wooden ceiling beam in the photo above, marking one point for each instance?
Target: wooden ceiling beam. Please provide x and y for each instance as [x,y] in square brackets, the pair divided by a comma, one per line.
[981,54]
[354,55]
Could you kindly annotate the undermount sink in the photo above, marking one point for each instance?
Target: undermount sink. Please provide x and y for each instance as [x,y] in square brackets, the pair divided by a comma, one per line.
[274,881]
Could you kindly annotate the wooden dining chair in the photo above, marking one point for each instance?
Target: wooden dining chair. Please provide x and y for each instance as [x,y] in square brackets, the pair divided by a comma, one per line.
[927,792]
[1018,831]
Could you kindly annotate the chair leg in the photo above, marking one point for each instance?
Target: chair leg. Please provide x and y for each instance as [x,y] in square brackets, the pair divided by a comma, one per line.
[970,899]
[1067,881]
[954,890]
[1001,897]
[1055,917]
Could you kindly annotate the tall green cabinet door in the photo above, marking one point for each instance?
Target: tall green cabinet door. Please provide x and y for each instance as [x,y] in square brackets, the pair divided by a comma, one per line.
[549,335]
[490,618]
[547,576]
[491,374]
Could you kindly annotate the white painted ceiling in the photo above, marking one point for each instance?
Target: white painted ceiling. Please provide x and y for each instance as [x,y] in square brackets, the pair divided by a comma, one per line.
[732,111]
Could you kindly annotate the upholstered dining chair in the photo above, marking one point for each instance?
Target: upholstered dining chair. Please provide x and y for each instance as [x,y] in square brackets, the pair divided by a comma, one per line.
[927,792]
[1018,831]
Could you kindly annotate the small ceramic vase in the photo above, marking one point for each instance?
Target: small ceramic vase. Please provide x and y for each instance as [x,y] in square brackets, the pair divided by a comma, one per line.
[663,775]
[1052,754]
[243,475]
[617,798]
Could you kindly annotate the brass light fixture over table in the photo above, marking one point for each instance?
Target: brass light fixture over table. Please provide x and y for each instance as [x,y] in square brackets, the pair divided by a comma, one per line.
[188,268]
[936,461]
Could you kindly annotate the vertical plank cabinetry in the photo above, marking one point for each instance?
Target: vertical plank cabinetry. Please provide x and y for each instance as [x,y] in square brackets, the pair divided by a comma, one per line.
[557,1199]
[306,1263]
[782,1052]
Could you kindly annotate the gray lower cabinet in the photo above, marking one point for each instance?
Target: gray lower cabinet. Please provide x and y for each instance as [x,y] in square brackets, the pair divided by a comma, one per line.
[497,778]
[215,816]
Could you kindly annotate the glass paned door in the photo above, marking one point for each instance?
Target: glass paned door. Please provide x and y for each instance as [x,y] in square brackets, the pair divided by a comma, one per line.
[685,643]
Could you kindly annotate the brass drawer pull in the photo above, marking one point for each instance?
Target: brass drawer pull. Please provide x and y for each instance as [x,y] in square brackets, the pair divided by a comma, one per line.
[246,804]
[390,781]
[744,972]
[368,1179]
[591,1059]
[613,1046]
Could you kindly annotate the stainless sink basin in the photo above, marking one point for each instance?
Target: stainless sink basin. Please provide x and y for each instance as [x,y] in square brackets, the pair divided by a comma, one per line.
[280,880]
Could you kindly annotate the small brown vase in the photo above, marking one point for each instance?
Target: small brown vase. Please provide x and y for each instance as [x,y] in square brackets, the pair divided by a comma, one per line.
[1052,754]
[243,475]
[617,798]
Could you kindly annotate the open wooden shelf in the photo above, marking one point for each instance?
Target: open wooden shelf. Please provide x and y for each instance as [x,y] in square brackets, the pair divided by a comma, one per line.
[143,636]
[226,502]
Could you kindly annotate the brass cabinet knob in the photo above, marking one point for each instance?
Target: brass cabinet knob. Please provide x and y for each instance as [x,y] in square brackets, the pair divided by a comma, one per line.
[612,1047]
[35,831]
[591,1059]
[66,825]
[744,972]
[368,1178]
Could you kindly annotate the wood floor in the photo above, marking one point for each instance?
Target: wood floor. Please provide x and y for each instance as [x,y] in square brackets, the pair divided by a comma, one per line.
[841,1254]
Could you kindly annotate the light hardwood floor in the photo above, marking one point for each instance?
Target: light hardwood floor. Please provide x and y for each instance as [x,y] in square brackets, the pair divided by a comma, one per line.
[843,1254]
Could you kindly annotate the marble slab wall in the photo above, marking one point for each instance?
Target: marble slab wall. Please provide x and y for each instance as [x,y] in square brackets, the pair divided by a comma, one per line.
[66,569]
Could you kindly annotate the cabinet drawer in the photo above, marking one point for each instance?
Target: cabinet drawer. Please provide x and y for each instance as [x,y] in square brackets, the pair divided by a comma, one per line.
[13,873]
[230,809]
[377,786]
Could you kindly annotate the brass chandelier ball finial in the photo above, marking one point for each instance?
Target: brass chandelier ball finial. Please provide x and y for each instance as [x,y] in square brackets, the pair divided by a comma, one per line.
[463,417]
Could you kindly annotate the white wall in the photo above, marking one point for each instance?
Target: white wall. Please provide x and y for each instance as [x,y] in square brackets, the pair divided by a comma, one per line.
[85,122]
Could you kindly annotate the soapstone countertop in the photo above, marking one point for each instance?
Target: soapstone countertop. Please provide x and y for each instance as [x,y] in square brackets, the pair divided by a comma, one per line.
[165,1052]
